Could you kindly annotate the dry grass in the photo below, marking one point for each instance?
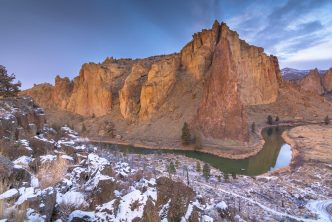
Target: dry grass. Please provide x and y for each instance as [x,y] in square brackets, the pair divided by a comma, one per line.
[49,174]
[2,209]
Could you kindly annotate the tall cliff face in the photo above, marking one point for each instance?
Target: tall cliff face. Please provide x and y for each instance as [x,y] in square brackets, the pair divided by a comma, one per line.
[223,73]
[221,113]
[240,75]
[161,79]
[92,92]
[312,82]
[327,80]
[196,56]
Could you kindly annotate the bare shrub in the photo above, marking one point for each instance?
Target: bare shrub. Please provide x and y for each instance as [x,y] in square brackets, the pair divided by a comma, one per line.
[2,209]
[65,209]
[51,173]
[135,205]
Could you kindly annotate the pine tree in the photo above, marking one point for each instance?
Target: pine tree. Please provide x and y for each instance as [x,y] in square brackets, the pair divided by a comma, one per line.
[206,171]
[253,127]
[198,141]
[226,176]
[198,166]
[171,168]
[327,120]
[269,120]
[186,137]
[277,119]
[7,86]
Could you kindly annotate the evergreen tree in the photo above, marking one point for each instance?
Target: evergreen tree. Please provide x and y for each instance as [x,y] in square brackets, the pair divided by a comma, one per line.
[198,141]
[277,119]
[327,120]
[83,128]
[7,86]
[226,176]
[198,166]
[269,120]
[171,168]
[253,127]
[206,171]
[186,137]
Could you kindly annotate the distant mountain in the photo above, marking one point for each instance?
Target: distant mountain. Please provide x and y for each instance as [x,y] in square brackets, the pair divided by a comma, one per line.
[296,74]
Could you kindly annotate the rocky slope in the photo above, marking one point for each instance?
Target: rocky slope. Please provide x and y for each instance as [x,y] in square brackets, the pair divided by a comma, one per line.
[208,84]
[316,81]
[56,175]
[49,175]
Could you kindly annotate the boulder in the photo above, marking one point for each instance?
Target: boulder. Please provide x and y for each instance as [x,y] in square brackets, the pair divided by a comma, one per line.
[179,195]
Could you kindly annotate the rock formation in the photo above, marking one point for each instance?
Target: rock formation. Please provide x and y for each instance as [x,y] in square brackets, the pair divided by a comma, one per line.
[129,95]
[161,79]
[312,82]
[327,80]
[223,73]
[240,75]
[315,81]
[197,55]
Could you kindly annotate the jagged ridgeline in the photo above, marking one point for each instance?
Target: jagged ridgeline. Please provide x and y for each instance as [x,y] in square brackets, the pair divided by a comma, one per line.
[208,84]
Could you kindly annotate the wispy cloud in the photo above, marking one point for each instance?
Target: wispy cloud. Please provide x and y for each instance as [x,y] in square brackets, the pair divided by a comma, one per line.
[293,30]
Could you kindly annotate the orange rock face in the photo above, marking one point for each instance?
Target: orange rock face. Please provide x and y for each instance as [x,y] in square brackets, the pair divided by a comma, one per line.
[327,80]
[129,95]
[312,82]
[228,74]
[196,56]
[161,79]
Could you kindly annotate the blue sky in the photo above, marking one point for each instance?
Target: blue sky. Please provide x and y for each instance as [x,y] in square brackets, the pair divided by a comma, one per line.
[40,39]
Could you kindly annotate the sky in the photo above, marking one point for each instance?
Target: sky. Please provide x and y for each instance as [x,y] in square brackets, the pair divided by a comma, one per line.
[40,39]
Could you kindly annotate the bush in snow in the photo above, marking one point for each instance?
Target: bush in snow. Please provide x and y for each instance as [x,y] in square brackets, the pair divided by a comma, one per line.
[51,173]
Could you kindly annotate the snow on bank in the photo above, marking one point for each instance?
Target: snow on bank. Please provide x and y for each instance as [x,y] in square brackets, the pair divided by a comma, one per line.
[319,207]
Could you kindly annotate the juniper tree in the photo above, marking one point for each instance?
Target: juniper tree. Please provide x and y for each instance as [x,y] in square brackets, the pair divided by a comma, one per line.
[186,137]
[8,87]
[327,120]
[269,120]
[253,127]
[198,166]
[171,168]
[277,119]
[198,141]
[206,171]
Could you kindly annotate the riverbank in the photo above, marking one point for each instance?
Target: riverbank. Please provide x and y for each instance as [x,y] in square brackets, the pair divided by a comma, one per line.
[229,152]
[235,152]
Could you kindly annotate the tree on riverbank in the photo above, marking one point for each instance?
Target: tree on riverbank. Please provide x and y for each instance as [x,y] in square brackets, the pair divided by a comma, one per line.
[8,88]
[185,137]
[327,120]
[269,120]
[253,127]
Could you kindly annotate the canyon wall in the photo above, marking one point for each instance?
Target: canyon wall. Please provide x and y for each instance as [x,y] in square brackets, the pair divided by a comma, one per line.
[240,75]
[230,73]
[316,82]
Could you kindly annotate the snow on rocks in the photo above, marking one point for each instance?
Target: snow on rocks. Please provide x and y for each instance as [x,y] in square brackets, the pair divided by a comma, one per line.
[122,168]
[23,161]
[47,158]
[72,198]
[9,194]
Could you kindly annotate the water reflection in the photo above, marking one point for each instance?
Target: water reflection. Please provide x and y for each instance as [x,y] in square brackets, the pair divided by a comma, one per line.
[275,154]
